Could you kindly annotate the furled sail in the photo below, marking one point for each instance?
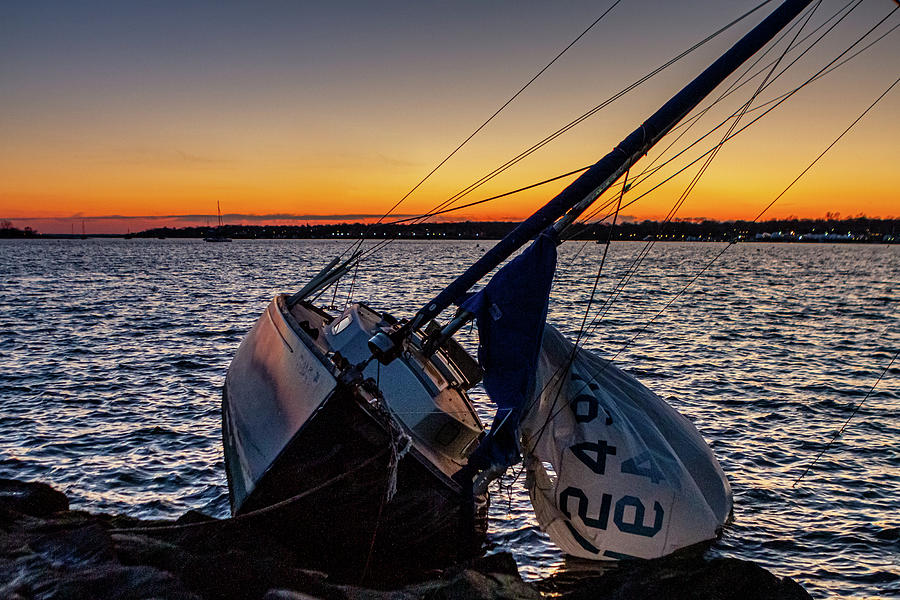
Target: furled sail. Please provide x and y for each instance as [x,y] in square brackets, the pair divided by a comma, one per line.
[511,312]
[613,471]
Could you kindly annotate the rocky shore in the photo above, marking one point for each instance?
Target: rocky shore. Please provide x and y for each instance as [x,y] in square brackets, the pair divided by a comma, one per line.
[48,551]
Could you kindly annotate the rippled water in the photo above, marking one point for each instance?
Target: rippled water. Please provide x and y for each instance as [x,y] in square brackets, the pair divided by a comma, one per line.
[113,353]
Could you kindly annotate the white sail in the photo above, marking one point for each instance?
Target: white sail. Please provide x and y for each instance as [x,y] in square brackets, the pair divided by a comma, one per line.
[613,471]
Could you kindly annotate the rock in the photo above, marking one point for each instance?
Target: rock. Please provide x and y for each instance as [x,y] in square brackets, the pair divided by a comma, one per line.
[114,582]
[501,562]
[134,549]
[287,595]
[47,551]
[224,573]
[194,516]
[472,585]
[687,579]
[84,545]
[31,498]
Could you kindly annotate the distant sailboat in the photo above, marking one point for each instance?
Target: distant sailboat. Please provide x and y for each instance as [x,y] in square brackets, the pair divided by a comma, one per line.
[217,235]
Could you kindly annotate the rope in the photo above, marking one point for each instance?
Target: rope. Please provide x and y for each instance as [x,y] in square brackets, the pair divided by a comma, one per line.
[489,119]
[840,432]
[632,269]
[441,206]
[267,510]
[587,310]
[776,102]
[729,134]
[715,258]
[642,255]
[527,152]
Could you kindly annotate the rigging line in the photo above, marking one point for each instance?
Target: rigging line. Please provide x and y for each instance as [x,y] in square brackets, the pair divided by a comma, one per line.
[503,195]
[680,202]
[352,283]
[572,124]
[738,83]
[489,119]
[521,156]
[579,227]
[593,111]
[643,178]
[830,146]
[383,243]
[684,195]
[757,218]
[602,263]
[645,175]
[731,243]
[687,191]
[847,422]
[571,360]
[828,68]
[783,97]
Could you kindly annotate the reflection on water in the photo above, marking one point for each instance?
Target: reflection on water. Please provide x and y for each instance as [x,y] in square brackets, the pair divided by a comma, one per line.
[113,353]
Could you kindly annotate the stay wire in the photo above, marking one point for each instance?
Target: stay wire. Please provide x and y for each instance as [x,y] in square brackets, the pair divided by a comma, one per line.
[631,271]
[671,215]
[733,242]
[571,360]
[577,121]
[708,265]
[573,123]
[840,432]
[775,103]
[382,243]
[644,175]
[744,79]
[739,82]
[488,120]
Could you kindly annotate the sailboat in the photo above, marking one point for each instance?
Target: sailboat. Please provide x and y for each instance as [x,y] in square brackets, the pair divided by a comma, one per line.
[217,235]
[351,436]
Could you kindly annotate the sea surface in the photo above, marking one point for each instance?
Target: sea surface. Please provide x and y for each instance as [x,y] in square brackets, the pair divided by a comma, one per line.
[113,353]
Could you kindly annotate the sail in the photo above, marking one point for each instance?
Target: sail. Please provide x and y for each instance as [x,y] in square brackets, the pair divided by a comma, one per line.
[511,312]
[613,471]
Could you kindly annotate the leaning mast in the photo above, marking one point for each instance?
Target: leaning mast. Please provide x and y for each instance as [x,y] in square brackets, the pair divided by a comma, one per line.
[575,198]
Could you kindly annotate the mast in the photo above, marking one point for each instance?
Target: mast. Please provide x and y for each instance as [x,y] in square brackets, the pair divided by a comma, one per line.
[614,164]
[581,192]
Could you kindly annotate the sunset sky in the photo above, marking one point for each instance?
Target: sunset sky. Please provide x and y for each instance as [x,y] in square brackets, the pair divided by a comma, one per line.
[129,115]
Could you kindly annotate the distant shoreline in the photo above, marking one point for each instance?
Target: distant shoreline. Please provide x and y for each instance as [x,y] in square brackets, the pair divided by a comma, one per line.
[859,230]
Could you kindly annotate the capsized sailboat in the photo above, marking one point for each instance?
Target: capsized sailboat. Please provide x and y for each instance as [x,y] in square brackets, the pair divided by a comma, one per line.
[355,430]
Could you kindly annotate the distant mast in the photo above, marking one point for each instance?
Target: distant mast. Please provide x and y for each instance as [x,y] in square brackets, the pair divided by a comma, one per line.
[217,235]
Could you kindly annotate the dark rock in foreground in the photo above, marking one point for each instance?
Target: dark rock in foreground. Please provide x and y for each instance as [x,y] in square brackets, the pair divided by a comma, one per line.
[677,578]
[47,551]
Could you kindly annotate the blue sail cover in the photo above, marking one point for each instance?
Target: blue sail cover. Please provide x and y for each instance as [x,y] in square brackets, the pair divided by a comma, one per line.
[511,312]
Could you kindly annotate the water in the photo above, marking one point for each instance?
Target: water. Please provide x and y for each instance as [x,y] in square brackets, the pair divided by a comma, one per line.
[113,353]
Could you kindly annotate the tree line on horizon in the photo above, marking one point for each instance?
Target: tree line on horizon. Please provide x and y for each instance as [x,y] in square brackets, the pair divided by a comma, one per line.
[831,228]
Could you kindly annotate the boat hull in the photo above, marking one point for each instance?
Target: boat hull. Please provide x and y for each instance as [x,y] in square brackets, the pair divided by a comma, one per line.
[330,489]
[323,465]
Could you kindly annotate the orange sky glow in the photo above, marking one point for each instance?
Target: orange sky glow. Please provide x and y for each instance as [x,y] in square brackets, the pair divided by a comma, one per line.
[127,120]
